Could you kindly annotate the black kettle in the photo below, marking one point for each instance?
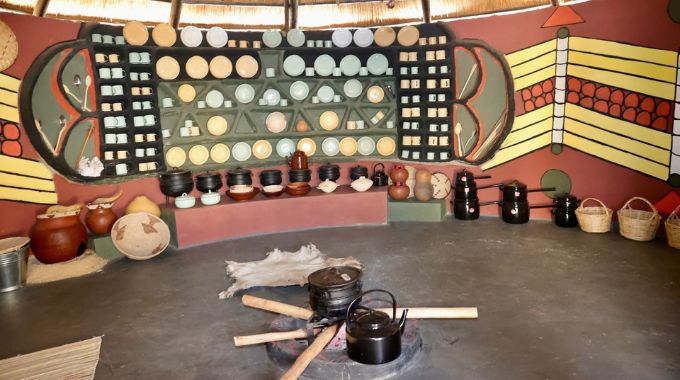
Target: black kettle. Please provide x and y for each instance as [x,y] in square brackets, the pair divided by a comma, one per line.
[372,336]
[379,177]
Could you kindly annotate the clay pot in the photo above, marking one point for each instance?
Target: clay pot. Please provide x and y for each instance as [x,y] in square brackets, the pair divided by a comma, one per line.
[298,160]
[423,175]
[100,218]
[57,238]
[398,192]
[423,191]
[399,174]
[301,126]
[143,204]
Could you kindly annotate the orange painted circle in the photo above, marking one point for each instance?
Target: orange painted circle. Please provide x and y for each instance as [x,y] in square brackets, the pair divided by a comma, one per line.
[11,148]
[10,132]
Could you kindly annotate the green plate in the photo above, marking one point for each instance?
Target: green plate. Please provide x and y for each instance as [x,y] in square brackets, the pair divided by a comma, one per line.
[272,38]
[377,64]
[350,65]
[294,65]
[295,37]
[244,93]
[299,90]
[353,88]
[324,65]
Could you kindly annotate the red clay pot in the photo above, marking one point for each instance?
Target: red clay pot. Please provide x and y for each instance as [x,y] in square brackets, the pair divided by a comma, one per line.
[58,238]
[100,219]
[399,174]
[399,192]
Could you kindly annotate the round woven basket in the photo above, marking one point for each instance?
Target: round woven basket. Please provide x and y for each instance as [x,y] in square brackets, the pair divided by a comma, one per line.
[8,46]
[639,225]
[594,219]
[672,225]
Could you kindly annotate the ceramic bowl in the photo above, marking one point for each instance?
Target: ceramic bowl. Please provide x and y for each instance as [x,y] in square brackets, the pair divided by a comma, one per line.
[243,196]
[238,189]
[247,66]
[214,99]
[244,93]
[217,37]
[324,65]
[408,35]
[327,186]
[295,37]
[132,236]
[294,65]
[285,147]
[191,36]
[262,149]
[241,151]
[217,126]
[385,36]
[210,198]
[220,67]
[298,188]
[167,68]
[276,122]
[363,37]
[299,90]
[330,146]
[350,65]
[272,97]
[185,201]
[377,64]
[219,153]
[353,88]
[164,35]
[197,67]
[272,190]
[325,94]
[329,120]
[386,146]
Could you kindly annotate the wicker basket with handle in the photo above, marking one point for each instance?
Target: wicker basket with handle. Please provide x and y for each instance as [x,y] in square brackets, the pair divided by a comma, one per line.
[594,219]
[639,225]
[672,225]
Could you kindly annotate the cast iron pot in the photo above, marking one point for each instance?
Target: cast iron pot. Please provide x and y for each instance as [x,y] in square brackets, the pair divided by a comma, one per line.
[329,171]
[356,172]
[239,176]
[208,182]
[465,191]
[465,176]
[270,177]
[332,289]
[379,177]
[175,182]
[466,208]
[372,336]
[515,212]
[565,210]
[300,175]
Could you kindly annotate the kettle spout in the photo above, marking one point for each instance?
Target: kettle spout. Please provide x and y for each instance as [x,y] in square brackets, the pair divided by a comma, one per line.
[402,320]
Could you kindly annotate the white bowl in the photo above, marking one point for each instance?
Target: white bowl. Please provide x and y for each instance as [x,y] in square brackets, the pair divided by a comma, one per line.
[210,198]
[272,188]
[185,201]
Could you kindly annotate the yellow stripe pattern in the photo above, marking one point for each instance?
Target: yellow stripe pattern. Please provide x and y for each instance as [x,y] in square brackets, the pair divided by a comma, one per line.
[531,52]
[646,86]
[617,49]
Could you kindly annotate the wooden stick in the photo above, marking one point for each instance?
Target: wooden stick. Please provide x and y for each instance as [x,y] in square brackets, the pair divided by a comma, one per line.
[246,340]
[310,353]
[277,307]
[82,150]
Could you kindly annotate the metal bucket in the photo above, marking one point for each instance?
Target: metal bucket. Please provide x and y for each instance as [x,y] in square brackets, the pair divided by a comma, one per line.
[13,265]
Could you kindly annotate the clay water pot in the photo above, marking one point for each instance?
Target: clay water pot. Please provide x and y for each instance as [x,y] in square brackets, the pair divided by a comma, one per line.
[298,161]
[56,238]
[100,218]
[423,191]
[399,174]
[399,192]
[423,175]
[143,204]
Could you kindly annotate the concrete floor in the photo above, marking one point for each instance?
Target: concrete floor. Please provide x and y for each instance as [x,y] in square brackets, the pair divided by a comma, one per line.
[554,304]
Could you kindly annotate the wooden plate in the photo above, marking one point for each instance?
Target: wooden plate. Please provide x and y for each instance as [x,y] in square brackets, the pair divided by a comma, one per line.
[408,35]
[164,35]
[219,153]
[167,68]
[247,66]
[175,157]
[262,149]
[348,146]
[197,67]
[217,125]
[386,146]
[385,36]
[135,33]
[198,155]
[220,67]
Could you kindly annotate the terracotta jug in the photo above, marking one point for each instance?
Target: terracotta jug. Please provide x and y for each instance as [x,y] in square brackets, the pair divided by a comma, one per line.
[298,160]
[58,237]
[398,192]
[399,174]
[100,218]
[143,204]
[423,191]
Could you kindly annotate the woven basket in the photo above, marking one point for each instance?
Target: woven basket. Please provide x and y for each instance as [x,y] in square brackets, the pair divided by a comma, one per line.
[638,225]
[672,225]
[594,219]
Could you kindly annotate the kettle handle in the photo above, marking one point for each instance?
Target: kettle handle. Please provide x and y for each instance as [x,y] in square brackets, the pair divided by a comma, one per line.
[394,302]
[376,165]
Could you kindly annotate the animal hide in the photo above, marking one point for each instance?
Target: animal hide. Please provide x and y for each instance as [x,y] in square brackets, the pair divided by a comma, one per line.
[281,268]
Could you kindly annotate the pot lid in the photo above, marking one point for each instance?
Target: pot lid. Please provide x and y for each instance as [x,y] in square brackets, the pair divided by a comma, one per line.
[465,176]
[329,167]
[208,175]
[515,184]
[12,243]
[334,277]
[272,172]
[371,319]
[175,172]
[239,171]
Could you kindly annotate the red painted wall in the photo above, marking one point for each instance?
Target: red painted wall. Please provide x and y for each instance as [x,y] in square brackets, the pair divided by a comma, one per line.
[638,22]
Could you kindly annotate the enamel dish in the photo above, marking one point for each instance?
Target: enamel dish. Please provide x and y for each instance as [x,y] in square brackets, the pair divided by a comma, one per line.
[330,146]
[375,94]
[299,90]
[276,122]
[329,120]
[377,64]
[247,66]
[167,68]
[386,146]
[219,153]
[353,88]
[186,92]
[220,67]
[348,146]
[363,37]
[408,35]
[262,149]
[135,33]
[294,65]
[198,155]
[325,94]
[191,36]
[214,99]
[217,37]
[245,93]
[366,146]
[324,65]
[285,147]
[342,38]
[350,65]
[164,35]
[272,97]
[241,151]
[197,67]
[385,36]
[217,125]
[175,157]
[295,37]
[307,145]
[271,38]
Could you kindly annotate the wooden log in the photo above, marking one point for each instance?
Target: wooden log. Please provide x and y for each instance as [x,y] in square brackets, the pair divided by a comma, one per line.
[277,307]
[246,340]
[310,353]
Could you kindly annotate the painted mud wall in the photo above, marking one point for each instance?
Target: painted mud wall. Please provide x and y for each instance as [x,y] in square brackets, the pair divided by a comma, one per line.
[27,186]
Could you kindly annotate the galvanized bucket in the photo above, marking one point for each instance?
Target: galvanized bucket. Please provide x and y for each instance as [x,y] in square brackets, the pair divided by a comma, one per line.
[13,263]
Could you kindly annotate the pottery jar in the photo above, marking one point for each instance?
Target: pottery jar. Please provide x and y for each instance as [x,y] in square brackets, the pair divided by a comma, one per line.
[298,161]
[423,175]
[100,218]
[56,238]
[423,191]
[398,192]
[143,204]
[399,174]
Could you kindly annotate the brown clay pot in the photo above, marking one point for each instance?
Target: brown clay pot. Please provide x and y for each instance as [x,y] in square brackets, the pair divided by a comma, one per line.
[423,175]
[423,191]
[399,174]
[399,192]
[100,218]
[56,238]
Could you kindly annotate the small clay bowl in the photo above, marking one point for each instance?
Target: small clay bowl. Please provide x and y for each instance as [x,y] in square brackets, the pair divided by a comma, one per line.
[243,196]
[298,188]
[274,193]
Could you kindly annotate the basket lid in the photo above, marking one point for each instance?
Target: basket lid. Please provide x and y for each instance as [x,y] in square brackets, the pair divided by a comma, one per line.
[13,243]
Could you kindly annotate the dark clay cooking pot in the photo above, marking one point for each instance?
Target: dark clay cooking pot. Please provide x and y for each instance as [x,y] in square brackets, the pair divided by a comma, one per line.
[270,177]
[356,172]
[208,181]
[379,177]
[239,176]
[329,172]
[175,182]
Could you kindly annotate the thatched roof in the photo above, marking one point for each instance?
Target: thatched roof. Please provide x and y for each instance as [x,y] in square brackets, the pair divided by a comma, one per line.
[266,14]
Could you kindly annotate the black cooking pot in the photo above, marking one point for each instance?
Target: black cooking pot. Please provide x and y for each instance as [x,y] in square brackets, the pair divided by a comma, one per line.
[465,190]
[514,191]
[332,289]
[270,177]
[372,336]
[175,182]
[300,175]
[329,172]
[565,210]
[208,181]
[466,208]
[239,176]
[356,172]
[465,176]
[379,177]
[515,212]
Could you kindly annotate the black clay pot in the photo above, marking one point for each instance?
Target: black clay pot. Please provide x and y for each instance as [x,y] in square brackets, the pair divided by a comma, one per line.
[515,212]
[300,175]
[329,171]
[239,176]
[466,208]
[332,289]
[356,172]
[176,182]
[206,182]
[270,177]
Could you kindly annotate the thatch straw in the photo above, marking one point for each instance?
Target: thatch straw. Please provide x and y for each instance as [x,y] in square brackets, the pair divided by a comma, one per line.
[18,5]
[443,9]
[233,16]
[358,14]
[111,10]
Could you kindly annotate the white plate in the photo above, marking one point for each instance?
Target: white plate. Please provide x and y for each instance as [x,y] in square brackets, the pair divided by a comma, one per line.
[353,88]
[342,38]
[271,38]
[324,65]
[214,99]
[377,64]
[363,37]
[217,37]
[325,94]
[295,37]
[285,147]
[299,90]
[350,65]
[191,36]
[241,151]
[366,146]
[245,93]
[330,146]
[294,65]
[272,97]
